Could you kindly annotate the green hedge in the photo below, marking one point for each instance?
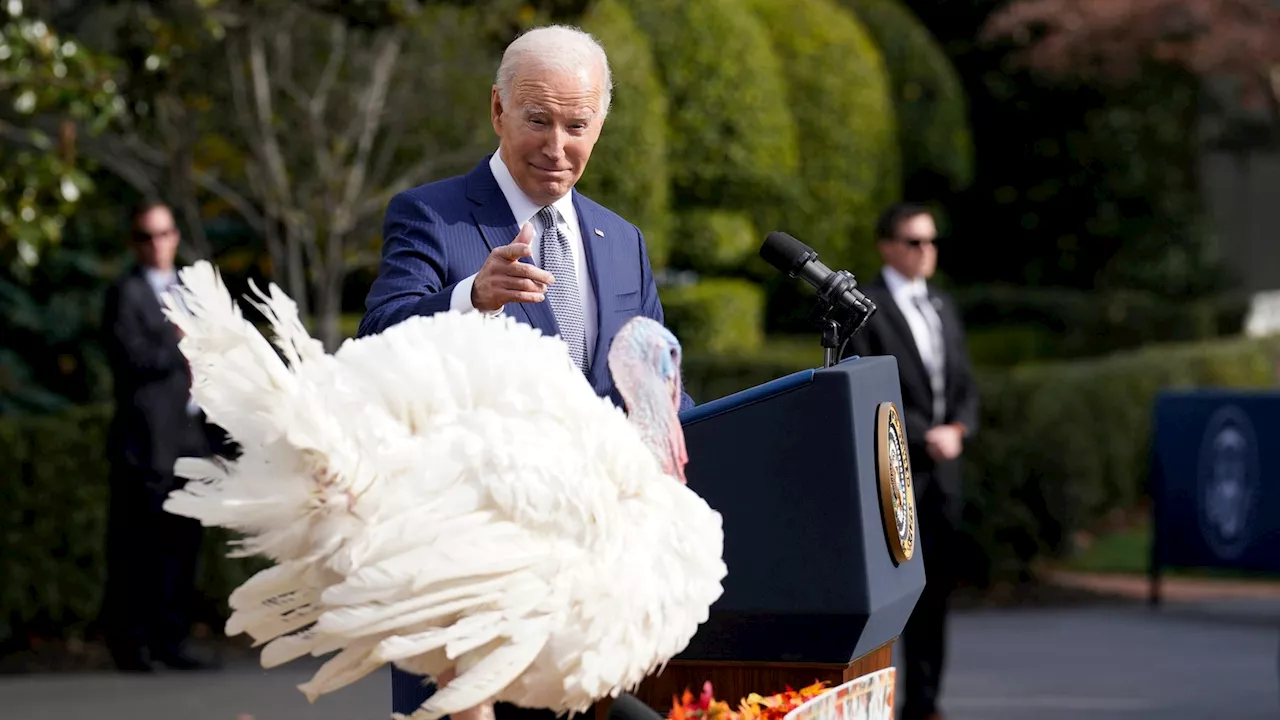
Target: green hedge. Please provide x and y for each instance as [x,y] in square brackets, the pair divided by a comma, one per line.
[716,315]
[713,241]
[1009,323]
[837,88]
[733,139]
[53,501]
[932,109]
[628,172]
[1060,446]
[1064,444]
[53,509]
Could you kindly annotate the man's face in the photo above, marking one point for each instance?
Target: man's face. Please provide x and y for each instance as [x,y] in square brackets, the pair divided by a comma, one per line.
[550,129]
[155,239]
[912,251]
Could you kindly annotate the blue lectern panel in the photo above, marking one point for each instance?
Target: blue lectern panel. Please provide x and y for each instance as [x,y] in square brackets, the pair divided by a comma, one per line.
[791,467]
[1214,480]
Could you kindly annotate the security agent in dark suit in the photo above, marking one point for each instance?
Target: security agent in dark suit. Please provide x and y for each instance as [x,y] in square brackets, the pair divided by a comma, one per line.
[151,554]
[919,326]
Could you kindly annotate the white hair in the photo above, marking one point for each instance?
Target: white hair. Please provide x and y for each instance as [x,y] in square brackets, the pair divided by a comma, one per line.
[554,47]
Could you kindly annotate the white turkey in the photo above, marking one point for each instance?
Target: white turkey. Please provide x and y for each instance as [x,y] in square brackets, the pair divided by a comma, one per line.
[452,497]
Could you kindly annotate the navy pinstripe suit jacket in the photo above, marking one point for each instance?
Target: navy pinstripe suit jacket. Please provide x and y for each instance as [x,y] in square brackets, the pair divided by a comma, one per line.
[440,233]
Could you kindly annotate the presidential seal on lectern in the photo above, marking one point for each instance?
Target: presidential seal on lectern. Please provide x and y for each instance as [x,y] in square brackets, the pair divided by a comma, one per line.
[893,473]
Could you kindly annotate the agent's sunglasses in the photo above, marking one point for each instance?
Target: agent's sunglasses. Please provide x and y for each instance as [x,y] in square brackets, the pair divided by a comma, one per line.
[144,236]
[916,243]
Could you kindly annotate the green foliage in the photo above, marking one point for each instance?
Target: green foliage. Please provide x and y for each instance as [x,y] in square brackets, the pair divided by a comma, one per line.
[718,315]
[1060,446]
[53,506]
[44,78]
[50,355]
[733,140]
[53,502]
[1009,324]
[837,89]
[932,110]
[709,376]
[60,561]
[628,172]
[1055,203]
[714,241]
[1152,201]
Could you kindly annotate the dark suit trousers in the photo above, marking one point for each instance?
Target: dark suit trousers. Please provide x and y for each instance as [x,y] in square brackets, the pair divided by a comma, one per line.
[924,638]
[151,565]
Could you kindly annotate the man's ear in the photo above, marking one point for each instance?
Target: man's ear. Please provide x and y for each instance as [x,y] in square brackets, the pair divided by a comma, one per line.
[496,109]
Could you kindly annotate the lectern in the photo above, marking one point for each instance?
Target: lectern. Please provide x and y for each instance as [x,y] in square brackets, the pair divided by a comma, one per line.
[810,474]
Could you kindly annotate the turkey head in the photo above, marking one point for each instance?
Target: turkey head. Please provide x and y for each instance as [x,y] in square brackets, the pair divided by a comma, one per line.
[645,362]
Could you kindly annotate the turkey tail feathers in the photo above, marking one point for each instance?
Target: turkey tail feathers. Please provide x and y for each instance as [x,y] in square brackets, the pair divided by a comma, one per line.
[290,334]
[449,496]
[482,681]
[237,376]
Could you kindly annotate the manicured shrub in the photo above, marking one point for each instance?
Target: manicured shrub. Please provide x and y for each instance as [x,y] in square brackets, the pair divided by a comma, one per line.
[838,90]
[628,172]
[716,315]
[932,109]
[733,139]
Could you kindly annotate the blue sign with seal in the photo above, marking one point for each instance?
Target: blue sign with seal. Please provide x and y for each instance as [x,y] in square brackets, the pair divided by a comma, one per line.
[1214,485]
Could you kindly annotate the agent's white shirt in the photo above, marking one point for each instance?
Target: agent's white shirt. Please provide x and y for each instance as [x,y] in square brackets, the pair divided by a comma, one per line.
[912,298]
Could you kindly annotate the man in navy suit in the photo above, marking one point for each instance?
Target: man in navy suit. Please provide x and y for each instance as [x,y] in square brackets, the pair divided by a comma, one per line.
[514,236]
[481,241]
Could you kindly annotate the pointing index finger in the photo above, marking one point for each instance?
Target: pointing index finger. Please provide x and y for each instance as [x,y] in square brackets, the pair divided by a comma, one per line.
[513,252]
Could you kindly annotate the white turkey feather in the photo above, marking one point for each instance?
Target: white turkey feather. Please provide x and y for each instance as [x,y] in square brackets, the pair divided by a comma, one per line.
[450,496]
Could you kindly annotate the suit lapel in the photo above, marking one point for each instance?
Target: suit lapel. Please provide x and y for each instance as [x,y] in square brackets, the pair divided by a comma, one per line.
[498,227]
[950,339]
[591,245]
[888,305]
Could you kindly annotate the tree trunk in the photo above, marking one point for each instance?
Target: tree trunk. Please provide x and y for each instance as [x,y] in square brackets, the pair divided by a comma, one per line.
[294,274]
[329,306]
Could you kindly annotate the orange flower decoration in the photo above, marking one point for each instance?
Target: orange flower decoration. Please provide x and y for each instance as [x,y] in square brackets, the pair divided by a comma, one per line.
[752,707]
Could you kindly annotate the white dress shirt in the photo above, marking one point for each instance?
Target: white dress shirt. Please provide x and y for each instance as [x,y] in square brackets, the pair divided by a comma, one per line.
[160,281]
[912,298]
[525,210]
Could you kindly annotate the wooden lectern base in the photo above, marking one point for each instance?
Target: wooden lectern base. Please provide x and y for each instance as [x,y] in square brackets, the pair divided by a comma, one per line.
[732,681]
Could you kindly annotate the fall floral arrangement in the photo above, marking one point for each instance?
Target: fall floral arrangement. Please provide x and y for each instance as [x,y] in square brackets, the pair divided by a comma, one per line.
[752,707]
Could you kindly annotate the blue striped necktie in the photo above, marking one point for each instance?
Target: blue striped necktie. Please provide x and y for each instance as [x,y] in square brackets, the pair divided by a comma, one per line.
[566,302]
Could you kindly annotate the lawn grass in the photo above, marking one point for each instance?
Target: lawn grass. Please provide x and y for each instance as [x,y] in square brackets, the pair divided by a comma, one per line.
[1127,551]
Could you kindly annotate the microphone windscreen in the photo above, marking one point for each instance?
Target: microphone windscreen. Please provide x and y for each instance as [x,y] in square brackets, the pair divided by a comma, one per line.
[785,252]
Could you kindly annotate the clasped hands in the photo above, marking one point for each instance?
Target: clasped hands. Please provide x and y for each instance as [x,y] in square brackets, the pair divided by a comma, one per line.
[944,442]
[504,279]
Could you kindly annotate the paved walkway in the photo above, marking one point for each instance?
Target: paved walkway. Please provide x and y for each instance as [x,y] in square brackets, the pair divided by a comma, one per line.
[1172,588]
[1114,663]
[1180,662]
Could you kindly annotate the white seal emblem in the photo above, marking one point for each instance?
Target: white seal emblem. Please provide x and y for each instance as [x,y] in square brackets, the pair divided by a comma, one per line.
[1228,482]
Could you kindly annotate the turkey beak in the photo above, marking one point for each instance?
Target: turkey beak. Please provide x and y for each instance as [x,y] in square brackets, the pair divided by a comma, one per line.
[675,432]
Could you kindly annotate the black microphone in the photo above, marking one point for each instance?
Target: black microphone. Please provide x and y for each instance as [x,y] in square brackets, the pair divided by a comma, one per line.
[799,260]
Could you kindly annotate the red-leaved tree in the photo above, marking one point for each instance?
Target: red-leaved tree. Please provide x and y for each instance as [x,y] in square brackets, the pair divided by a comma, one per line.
[1235,41]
